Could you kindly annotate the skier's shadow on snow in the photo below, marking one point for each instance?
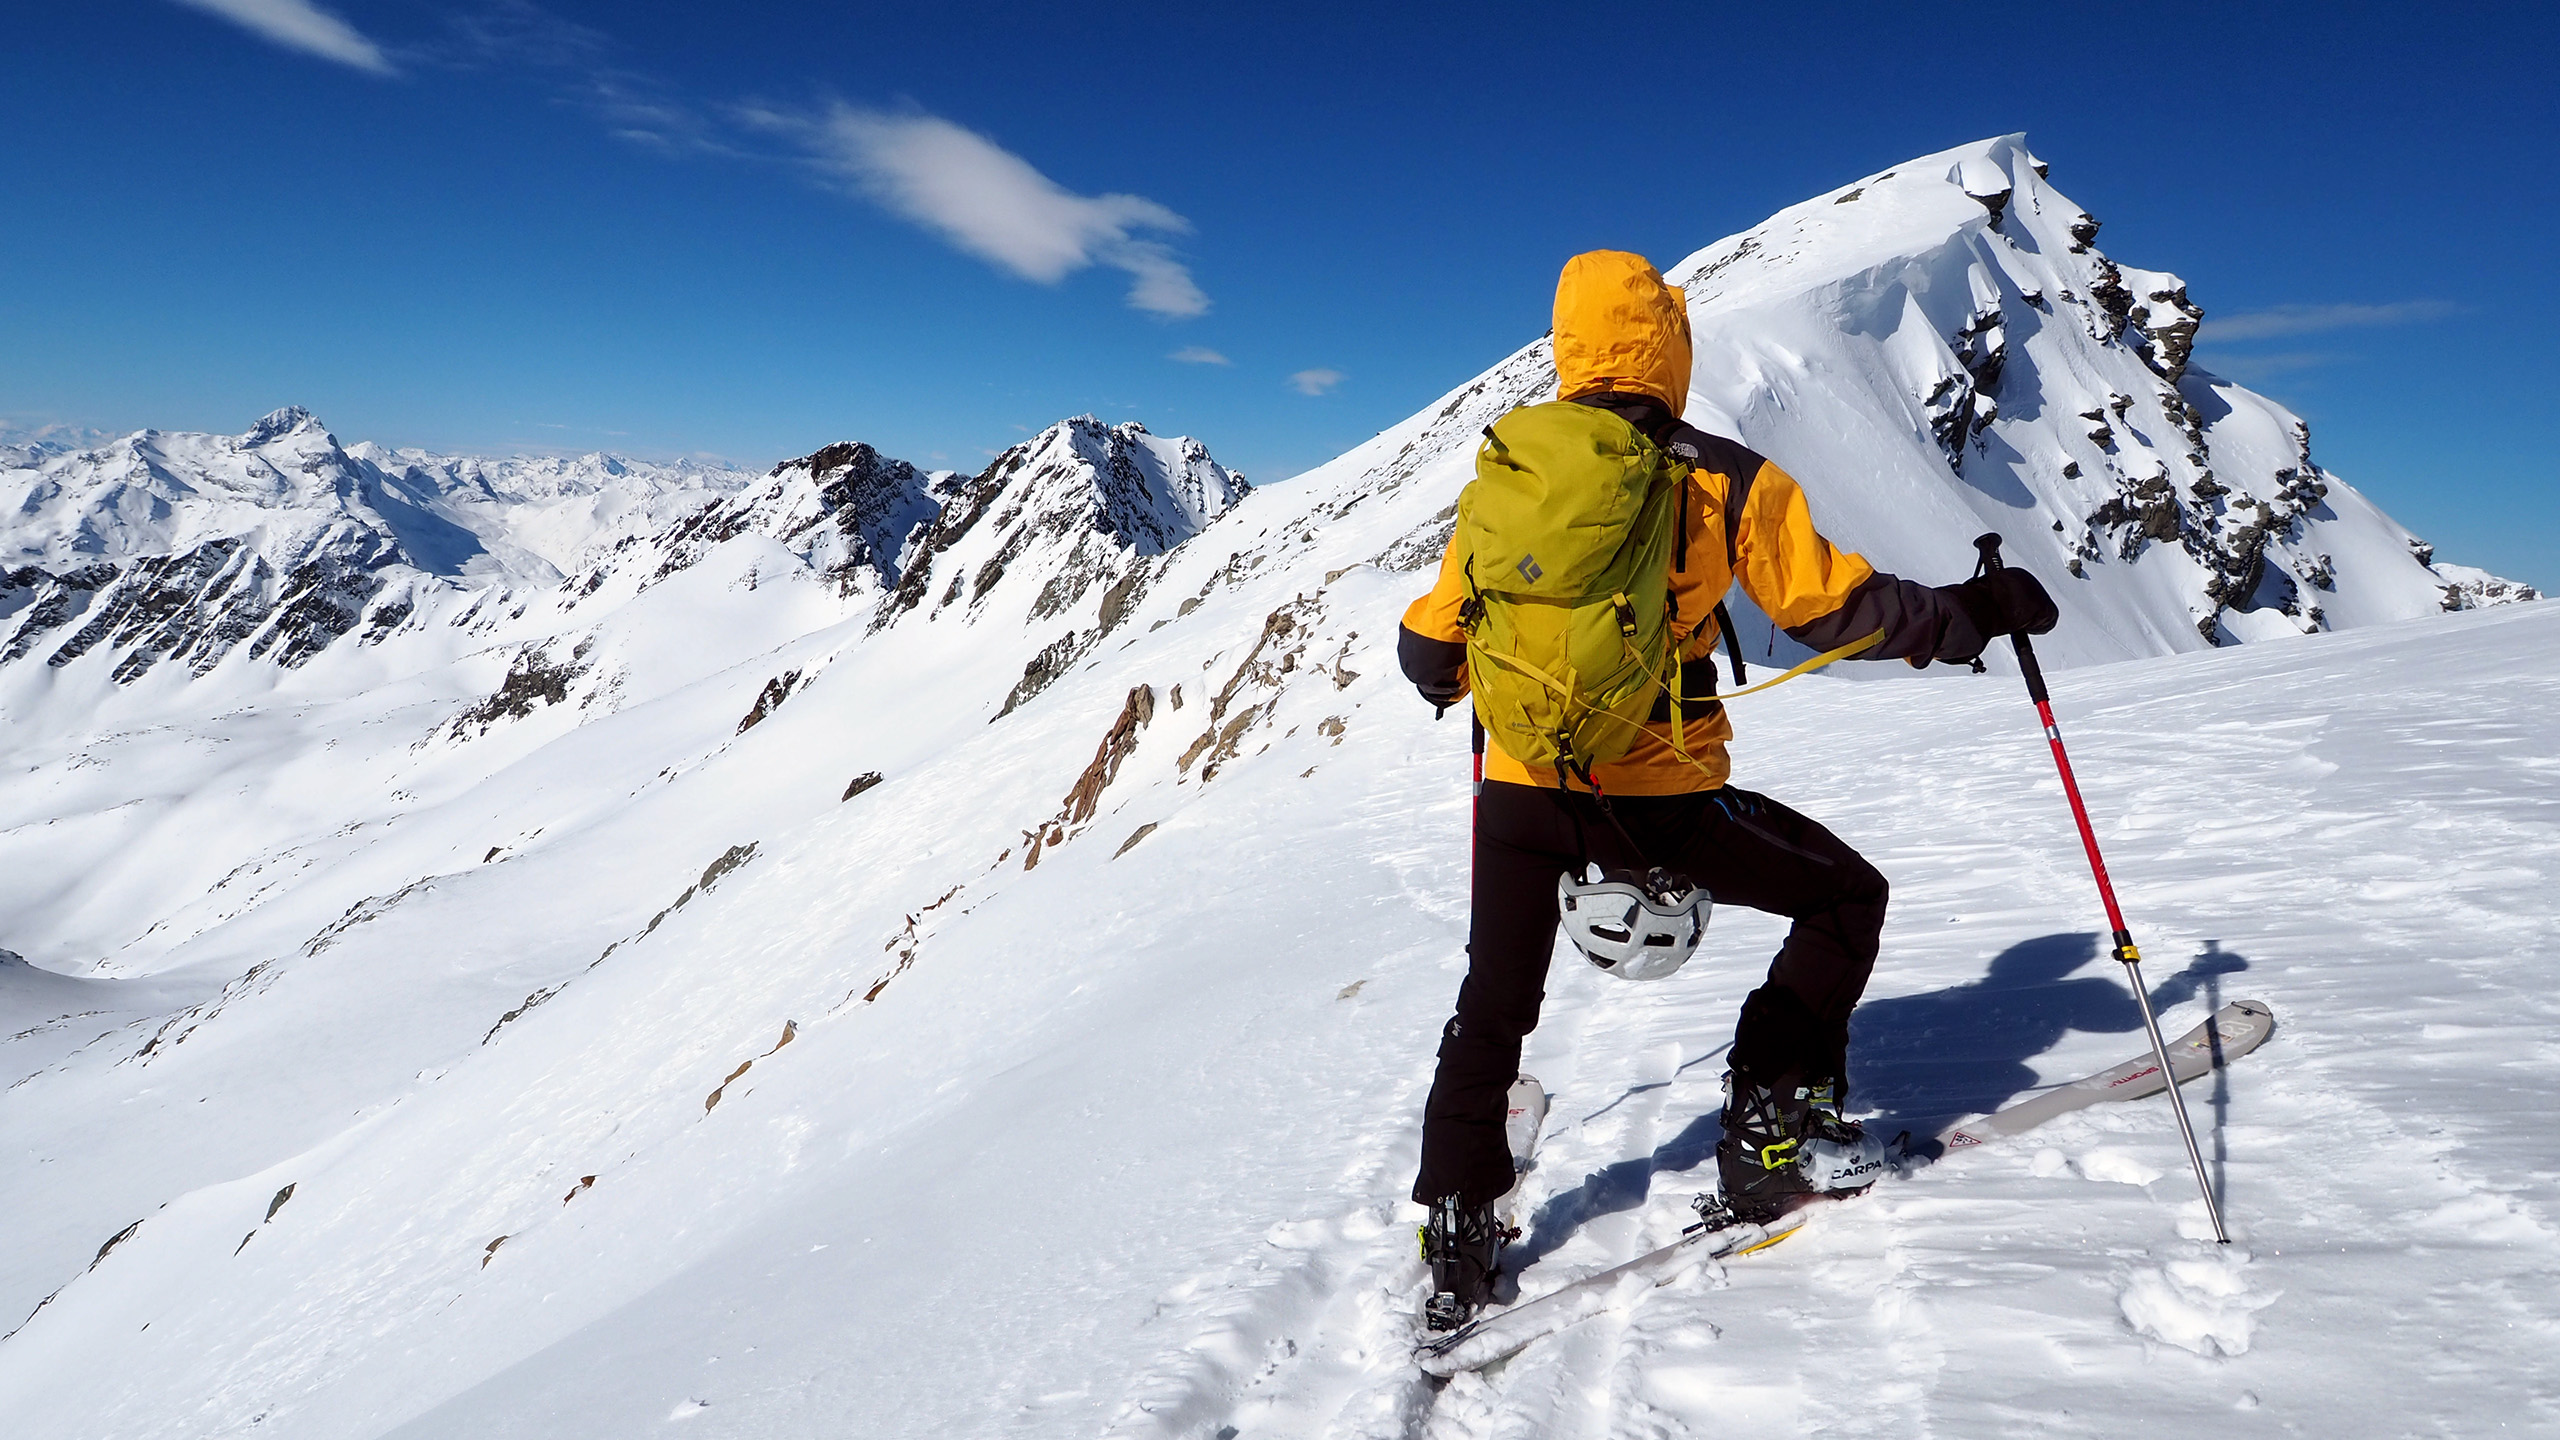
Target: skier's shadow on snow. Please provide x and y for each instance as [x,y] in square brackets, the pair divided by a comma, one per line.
[1923,1061]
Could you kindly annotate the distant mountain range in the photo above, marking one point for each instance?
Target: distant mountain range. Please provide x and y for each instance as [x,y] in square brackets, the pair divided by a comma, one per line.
[280,542]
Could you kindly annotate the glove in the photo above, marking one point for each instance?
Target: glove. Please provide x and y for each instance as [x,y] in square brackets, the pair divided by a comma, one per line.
[1442,694]
[1437,668]
[2004,602]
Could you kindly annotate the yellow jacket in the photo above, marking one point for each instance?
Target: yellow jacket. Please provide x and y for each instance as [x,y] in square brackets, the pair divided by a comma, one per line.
[1622,342]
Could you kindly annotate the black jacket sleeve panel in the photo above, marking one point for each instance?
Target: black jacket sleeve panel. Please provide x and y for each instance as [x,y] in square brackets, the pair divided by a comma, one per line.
[1435,667]
[1916,620]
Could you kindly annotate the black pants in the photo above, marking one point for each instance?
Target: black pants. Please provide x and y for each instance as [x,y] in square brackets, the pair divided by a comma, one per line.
[1744,849]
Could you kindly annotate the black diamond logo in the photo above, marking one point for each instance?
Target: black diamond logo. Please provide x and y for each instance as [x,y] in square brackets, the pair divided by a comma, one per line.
[1529,569]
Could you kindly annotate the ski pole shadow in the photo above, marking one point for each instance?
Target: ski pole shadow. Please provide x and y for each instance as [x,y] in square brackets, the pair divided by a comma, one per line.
[1925,1061]
[1922,1062]
[2214,963]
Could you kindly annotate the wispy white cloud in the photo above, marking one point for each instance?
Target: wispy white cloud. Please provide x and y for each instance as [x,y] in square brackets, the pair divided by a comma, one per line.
[995,205]
[979,196]
[635,108]
[519,32]
[2282,320]
[2259,369]
[1199,355]
[1315,382]
[301,25]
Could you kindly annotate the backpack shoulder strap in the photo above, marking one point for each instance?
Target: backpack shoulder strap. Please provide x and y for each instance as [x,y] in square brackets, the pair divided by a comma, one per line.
[1732,645]
[1737,462]
[1740,465]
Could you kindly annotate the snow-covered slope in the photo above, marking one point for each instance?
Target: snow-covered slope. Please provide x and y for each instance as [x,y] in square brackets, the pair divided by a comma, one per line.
[886,954]
[539,516]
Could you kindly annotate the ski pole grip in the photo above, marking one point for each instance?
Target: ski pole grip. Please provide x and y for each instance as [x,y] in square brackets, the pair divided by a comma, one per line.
[1988,546]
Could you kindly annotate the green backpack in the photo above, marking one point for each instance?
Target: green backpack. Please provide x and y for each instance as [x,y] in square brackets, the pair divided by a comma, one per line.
[1568,533]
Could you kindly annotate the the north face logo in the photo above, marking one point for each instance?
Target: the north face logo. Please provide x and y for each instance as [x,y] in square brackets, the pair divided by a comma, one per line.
[1530,569]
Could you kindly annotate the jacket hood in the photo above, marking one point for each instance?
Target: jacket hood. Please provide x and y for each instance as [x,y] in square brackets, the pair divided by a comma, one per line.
[1618,327]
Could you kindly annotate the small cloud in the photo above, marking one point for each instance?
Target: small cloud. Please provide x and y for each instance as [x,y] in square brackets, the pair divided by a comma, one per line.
[2282,320]
[301,25]
[519,32]
[1315,382]
[1199,355]
[639,110]
[2259,369]
[995,205]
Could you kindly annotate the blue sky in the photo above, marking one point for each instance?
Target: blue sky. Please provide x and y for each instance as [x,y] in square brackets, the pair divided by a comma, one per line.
[747,230]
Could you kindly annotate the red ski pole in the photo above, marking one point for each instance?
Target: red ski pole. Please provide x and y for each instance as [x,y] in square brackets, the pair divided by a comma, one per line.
[1989,545]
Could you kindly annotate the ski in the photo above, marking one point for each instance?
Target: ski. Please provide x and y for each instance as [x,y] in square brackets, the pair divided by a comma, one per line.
[1524,1119]
[2234,1031]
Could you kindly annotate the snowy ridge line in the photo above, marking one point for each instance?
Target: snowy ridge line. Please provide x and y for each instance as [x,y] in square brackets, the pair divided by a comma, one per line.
[189,547]
[2231,1032]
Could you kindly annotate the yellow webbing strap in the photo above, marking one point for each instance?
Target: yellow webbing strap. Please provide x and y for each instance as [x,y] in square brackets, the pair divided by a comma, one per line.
[1680,724]
[1816,663]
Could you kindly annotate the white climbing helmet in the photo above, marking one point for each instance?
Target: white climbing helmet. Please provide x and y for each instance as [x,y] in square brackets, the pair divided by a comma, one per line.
[1635,929]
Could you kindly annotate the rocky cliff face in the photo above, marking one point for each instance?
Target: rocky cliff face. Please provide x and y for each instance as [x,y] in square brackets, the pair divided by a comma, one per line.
[1077,503]
[848,510]
[1076,519]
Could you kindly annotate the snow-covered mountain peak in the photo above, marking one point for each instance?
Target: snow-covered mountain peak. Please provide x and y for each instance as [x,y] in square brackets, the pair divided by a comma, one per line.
[1152,492]
[277,424]
[1941,349]
[1072,525]
[846,510]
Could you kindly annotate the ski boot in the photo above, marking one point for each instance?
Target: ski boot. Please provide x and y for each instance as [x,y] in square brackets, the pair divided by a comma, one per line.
[1463,1246]
[1786,1145]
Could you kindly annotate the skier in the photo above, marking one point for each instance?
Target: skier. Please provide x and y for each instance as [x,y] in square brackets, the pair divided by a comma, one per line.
[1659,819]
